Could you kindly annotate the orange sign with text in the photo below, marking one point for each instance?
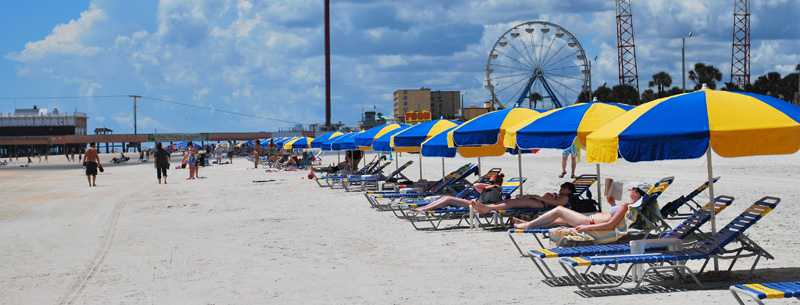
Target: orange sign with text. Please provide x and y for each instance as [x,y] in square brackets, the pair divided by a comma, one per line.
[413,117]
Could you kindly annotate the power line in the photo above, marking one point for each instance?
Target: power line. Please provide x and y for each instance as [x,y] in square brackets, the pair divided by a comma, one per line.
[150,98]
[59,97]
[223,111]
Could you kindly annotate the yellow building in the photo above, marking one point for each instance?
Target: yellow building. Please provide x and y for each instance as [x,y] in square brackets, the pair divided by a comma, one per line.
[441,104]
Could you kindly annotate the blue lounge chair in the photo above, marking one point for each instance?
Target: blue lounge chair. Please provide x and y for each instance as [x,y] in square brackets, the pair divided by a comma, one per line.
[445,186]
[687,228]
[362,183]
[437,218]
[713,247]
[763,291]
[340,181]
[324,176]
[468,193]
[671,210]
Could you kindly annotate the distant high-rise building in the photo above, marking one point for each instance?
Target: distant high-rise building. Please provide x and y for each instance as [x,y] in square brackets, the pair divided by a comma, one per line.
[441,104]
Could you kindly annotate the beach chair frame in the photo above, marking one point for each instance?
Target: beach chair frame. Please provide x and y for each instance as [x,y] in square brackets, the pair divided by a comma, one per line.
[761,291]
[363,183]
[674,261]
[445,186]
[468,193]
[688,227]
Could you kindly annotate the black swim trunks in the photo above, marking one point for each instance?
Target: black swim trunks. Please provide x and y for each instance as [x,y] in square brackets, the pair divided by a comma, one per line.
[91,168]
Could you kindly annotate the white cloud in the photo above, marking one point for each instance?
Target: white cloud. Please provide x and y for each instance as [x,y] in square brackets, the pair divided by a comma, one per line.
[65,39]
[199,94]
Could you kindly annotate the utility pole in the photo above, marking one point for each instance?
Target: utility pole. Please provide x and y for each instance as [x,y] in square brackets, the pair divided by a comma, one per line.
[327,63]
[683,59]
[134,111]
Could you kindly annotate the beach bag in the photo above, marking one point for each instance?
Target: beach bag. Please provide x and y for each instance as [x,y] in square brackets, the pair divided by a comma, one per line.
[583,205]
[490,195]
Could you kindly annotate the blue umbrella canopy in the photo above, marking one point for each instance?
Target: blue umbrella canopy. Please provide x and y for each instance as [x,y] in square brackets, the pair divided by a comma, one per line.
[364,140]
[298,143]
[186,143]
[327,145]
[344,142]
[411,138]
[558,128]
[489,128]
[317,143]
[383,143]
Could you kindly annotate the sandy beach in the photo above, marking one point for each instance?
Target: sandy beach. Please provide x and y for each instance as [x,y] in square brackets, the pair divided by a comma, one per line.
[224,239]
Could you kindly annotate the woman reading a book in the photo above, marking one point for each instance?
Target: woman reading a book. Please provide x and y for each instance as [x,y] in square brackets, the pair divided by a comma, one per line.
[561,216]
[548,200]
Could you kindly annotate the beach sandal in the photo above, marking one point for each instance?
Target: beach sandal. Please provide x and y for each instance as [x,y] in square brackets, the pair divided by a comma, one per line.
[562,175]
[573,177]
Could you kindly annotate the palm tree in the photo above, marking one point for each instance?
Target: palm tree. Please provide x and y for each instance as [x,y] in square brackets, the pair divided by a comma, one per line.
[661,81]
[535,97]
[704,74]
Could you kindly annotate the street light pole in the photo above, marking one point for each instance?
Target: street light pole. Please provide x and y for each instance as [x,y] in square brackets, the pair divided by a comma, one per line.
[462,103]
[683,59]
[591,93]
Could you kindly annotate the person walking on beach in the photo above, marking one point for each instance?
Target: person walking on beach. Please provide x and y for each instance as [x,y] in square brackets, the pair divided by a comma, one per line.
[92,161]
[218,153]
[161,162]
[256,152]
[571,152]
[192,159]
[231,150]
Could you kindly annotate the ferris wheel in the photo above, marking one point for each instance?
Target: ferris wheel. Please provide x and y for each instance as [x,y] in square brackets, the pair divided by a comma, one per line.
[537,61]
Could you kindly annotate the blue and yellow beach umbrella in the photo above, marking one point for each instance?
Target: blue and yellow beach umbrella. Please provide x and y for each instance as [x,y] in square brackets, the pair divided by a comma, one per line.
[345,142]
[304,142]
[558,128]
[686,126]
[317,143]
[328,144]
[411,138]
[364,140]
[383,143]
[486,132]
[279,142]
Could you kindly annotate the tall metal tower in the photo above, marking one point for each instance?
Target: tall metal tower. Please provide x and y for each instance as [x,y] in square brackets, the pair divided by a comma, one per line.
[740,50]
[626,49]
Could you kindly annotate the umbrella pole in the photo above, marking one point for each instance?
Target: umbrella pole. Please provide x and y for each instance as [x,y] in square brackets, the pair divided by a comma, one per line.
[599,194]
[442,167]
[479,166]
[711,194]
[420,166]
[519,165]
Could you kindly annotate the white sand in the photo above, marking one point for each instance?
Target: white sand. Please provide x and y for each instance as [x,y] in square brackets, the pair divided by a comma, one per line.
[226,240]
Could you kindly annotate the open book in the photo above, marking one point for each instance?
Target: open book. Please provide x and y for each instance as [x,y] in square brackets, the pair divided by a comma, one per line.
[614,188]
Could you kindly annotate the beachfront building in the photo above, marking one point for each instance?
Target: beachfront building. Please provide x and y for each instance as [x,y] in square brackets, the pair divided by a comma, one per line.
[440,104]
[39,122]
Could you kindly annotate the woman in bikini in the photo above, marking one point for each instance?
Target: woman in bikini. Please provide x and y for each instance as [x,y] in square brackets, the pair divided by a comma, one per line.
[494,181]
[561,216]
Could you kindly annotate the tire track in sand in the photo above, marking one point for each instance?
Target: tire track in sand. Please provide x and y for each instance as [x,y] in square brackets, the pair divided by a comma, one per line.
[78,287]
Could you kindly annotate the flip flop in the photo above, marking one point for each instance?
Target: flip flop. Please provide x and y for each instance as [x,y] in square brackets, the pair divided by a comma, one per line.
[562,175]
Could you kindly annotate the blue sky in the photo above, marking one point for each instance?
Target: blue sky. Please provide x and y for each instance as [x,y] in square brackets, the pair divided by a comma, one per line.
[266,58]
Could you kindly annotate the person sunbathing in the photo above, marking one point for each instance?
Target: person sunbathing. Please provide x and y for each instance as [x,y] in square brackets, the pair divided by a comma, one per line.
[561,216]
[495,181]
[334,168]
[533,202]
[294,160]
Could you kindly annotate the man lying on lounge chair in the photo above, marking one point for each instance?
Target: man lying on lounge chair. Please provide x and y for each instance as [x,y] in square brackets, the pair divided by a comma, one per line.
[549,200]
